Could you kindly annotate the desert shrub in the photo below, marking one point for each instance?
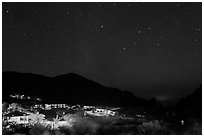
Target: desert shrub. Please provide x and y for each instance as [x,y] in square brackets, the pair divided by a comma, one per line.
[4,123]
[129,130]
[38,129]
[15,129]
[118,130]
[19,134]
[65,130]
[103,120]
[6,132]
[20,129]
[193,129]
[71,118]
[85,127]
[80,125]
[109,130]
[153,128]
[112,126]
[58,132]
[116,126]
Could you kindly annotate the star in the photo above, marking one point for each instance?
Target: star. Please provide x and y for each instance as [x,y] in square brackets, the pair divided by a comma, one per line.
[149,28]
[178,5]
[196,40]
[197,29]
[101,26]
[99,5]
[158,44]
[124,49]
[67,12]
[182,122]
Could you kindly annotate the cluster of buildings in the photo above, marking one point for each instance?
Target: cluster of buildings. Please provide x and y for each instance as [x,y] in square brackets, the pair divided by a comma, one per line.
[20,96]
[28,117]
[15,114]
[99,112]
[50,106]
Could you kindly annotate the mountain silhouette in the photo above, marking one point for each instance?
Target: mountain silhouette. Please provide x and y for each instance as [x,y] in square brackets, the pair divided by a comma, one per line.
[69,88]
[191,105]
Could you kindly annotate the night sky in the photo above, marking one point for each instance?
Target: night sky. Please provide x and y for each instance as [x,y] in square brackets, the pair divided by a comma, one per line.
[151,49]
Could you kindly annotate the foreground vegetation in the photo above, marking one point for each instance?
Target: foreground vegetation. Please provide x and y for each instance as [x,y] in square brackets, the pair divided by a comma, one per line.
[109,126]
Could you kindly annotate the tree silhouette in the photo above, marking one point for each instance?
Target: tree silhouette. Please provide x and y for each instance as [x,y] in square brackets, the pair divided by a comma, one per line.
[56,121]
[5,106]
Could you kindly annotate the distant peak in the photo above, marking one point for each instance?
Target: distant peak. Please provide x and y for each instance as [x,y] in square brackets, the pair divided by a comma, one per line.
[73,74]
[69,75]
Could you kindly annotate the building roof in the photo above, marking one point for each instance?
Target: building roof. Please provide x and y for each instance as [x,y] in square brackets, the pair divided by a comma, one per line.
[16,113]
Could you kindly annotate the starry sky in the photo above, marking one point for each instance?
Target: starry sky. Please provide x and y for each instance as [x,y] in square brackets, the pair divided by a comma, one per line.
[151,49]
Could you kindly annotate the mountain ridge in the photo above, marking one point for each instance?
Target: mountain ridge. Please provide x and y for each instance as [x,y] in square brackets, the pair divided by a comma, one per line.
[72,88]
[55,89]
